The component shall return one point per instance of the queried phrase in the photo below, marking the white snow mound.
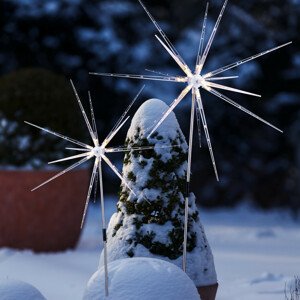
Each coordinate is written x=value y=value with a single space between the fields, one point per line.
x=141 y=279
x=18 y=290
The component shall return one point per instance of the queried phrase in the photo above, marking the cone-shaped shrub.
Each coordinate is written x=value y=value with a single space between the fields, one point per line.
x=151 y=222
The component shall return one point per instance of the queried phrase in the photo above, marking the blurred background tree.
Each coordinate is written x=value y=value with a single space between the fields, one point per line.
x=41 y=97
x=73 y=37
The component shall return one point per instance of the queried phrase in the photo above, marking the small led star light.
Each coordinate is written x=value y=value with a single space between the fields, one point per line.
x=194 y=81
x=98 y=153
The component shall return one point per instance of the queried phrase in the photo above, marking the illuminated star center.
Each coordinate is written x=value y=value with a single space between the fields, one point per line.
x=98 y=151
x=196 y=81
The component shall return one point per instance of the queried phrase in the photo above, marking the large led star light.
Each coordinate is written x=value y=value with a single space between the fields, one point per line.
x=194 y=81
x=98 y=151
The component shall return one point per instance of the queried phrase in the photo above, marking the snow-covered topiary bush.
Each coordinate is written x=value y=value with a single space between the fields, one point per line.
x=141 y=279
x=151 y=223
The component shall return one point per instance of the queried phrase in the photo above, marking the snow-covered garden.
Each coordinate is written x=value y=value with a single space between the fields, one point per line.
x=153 y=241
x=256 y=255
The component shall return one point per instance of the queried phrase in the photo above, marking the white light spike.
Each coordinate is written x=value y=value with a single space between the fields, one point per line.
x=200 y=49
x=227 y=88
x=109 y=138
x=203 y=118
x=69 y=158
x=191 y=135
x=116 y=171
x=83 y=113
x=182 y=65
x=243 y=61
x=77 y=149
x=172 y=106
x=157 y=72
x=60 y=136
x=221 y=78
x=211 y=38
x=93 y=117
x=228 y=100
x=161 y=32
x=198 y=118
x=127 y=110
x=143 y=77
x=128 y=149
x=95 y=185
x=95 y=169
x=64 y=171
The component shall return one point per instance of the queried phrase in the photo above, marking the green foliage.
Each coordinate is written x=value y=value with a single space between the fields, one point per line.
x=43 y=98
x=167 y=209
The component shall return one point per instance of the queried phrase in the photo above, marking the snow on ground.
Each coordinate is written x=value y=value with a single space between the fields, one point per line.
x=18 y=290
x=255 y=253
x=141 y=278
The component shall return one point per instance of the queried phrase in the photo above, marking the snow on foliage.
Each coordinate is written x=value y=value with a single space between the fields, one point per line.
x=18 y=290
x=151 y=223
x=142 y=278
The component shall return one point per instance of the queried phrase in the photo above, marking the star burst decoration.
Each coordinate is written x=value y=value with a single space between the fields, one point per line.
x=195 y=80
x=98 y=151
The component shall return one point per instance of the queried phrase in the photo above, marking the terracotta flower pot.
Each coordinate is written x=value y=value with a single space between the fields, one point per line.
x=47 y=219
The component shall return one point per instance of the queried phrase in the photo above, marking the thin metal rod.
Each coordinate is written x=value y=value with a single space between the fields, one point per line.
x=188 y=179
x=104 y=235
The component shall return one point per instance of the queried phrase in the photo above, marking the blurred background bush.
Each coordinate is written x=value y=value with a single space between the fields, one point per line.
x=41 y=97
x=73 y=37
